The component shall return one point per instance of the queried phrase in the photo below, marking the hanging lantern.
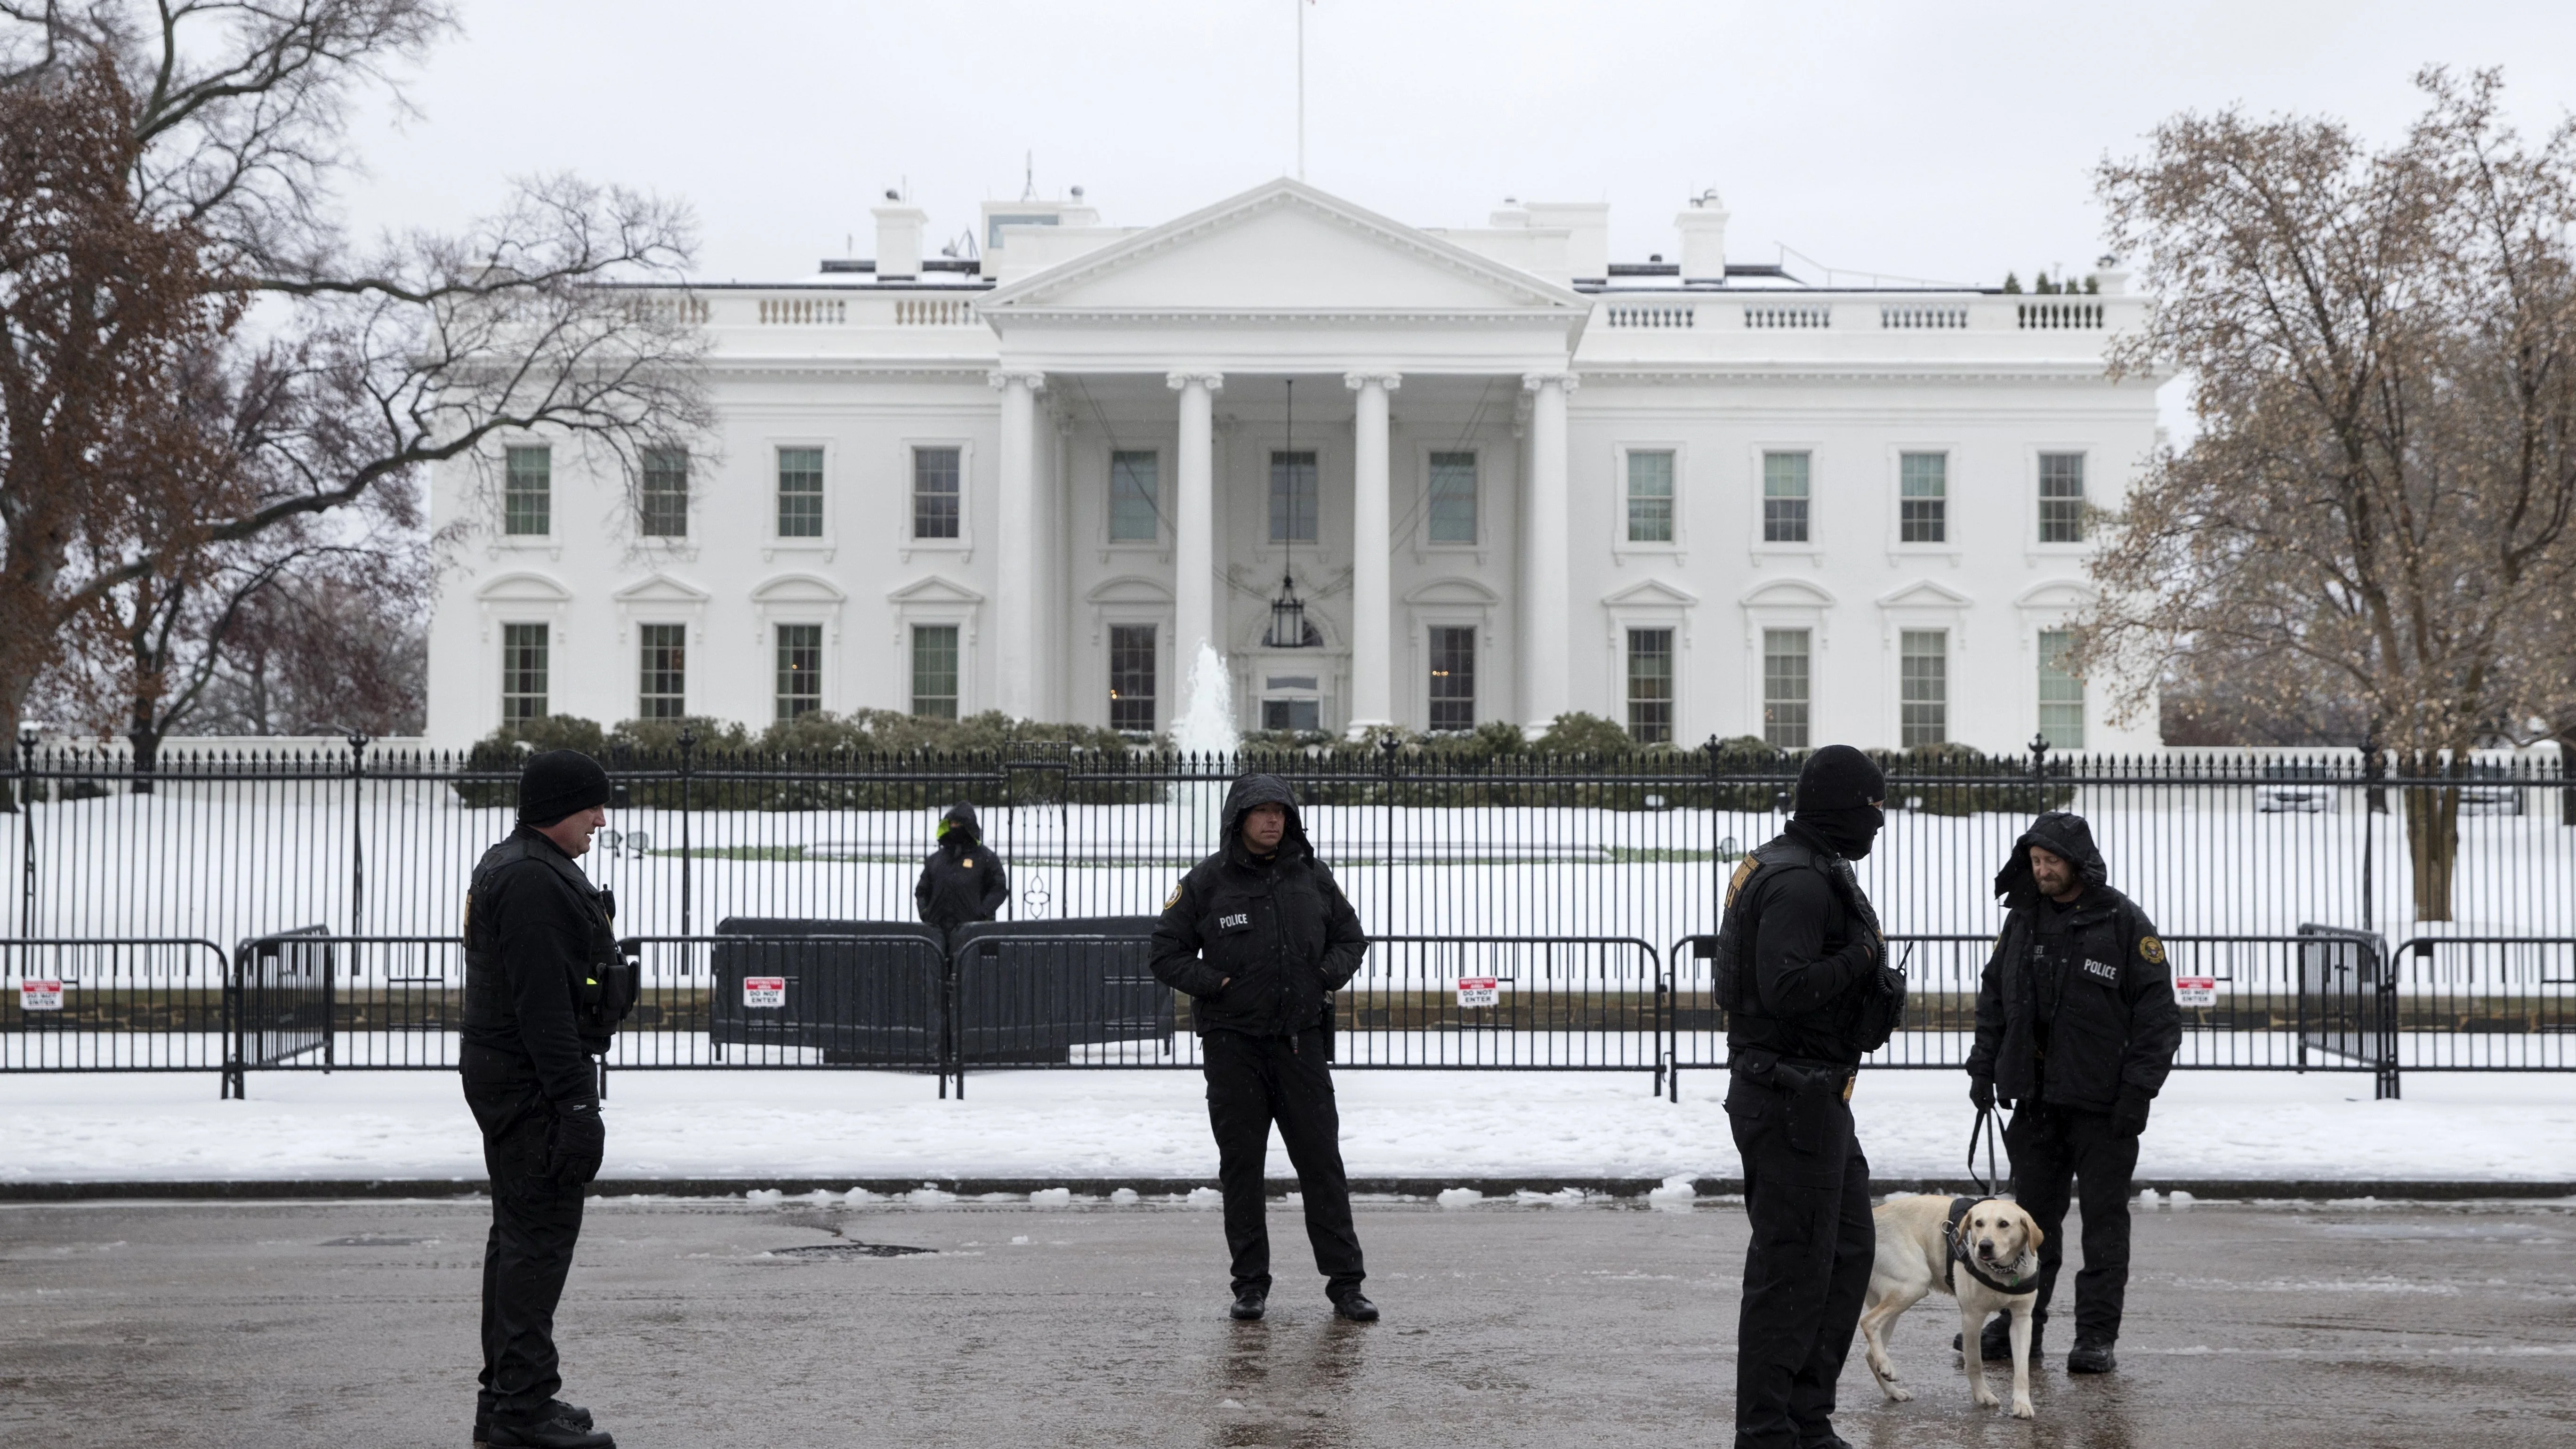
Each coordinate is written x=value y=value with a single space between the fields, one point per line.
x=1288 y=626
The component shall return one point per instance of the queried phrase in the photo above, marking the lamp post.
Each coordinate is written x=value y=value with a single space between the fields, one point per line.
x=27 y=827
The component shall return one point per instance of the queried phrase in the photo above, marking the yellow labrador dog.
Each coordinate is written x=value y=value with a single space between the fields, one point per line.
x=1983 y=1252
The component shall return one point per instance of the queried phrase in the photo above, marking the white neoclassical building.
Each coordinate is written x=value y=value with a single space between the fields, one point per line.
x=1504 y=476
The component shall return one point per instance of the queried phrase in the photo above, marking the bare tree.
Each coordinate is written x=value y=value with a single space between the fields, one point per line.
x=221 y=124
x=2383 y=485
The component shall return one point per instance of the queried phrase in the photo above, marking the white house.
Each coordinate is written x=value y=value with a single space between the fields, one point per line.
x=1505 y=476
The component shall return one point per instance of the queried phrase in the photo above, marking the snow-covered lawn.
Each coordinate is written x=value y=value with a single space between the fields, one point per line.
x=1152 y=1124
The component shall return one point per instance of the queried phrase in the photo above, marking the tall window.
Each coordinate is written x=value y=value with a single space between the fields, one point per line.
x=1453 y=678
x=1131 y=677
x=1784 y=688
x=1650 y=686
x=935 y=496
x=1650 y=497
x=528 y=491
x=1923 y=664
x=934 y=671
x=2061 y=694
x=663 y=692
x=663 y=509
x=800 y=493
x=1784 y=498
x=2061 y=498
x=1303 y=715
x=800 y=669
x=1453 y=498
x=1292 y=497
x=523 y=673
x=1923 y=502
x=1135 y=497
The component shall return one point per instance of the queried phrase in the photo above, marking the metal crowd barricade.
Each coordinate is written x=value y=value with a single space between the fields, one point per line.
x=118 y=1004
x=2483 y=1004
x=2307 y=1002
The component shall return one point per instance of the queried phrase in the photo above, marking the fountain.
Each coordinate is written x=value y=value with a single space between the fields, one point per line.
x=1205 y=729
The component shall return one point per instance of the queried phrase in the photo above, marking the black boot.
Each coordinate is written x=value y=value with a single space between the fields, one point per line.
x=2091 y=1356
x=557 y=1407
x=1249 y=1304
x=1356 y=1307
x=556 y=1426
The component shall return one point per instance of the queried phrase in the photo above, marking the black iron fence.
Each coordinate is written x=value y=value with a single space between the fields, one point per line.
x=345 y=871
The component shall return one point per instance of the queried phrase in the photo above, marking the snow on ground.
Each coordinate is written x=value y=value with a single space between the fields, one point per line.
x=1152 y=1124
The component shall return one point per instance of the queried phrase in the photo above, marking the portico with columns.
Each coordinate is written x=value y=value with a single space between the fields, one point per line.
x=1283 y=323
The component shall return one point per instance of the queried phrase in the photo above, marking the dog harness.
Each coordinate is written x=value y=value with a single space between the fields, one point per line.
x=1960 y=1255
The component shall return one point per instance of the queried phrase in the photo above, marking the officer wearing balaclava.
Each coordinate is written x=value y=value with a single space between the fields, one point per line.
x=1802 y=973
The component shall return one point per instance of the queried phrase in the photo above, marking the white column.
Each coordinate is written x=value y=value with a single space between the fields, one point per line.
x=1372 y=578
x=1194 y=523
x=1546 y=591
x=1015 y=594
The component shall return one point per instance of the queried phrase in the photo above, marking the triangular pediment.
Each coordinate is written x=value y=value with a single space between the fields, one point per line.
x=1925 y=594
x=661 y=589
x=1283 y=248
x=933 y=590
x=1651 y=594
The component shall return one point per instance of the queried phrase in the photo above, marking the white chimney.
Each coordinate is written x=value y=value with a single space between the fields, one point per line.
x=2114 y=277
x=899 y=240
x=1587 y=226
x=1703 y=230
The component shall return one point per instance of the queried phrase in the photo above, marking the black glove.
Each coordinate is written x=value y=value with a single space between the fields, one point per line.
x=1981 y=1090
x=577 y=1143
x=2129 y=1115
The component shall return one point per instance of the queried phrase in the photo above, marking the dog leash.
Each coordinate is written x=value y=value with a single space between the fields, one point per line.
x=1985 y=1123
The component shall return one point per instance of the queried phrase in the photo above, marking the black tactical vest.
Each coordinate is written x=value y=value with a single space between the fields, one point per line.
x=1862 y=1018
x=605 y=991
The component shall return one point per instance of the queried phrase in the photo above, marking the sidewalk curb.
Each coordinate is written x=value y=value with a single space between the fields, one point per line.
x=254 y=1190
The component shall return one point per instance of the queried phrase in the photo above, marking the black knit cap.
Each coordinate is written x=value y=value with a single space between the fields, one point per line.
x=1839 y=777
x=558 y=783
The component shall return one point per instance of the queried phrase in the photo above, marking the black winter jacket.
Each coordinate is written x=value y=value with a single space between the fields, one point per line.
x=2116 y=1028
x=961 y=881
x=1809 y=951
x=1280 y=928
x=534 y=929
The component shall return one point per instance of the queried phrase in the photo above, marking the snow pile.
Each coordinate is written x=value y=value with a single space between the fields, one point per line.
x=1459 y=1197
x=1052 y=1197
x=1135 y=1126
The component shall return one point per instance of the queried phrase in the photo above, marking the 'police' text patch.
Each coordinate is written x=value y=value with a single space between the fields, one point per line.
x=2103 y=969
x=1233 y=923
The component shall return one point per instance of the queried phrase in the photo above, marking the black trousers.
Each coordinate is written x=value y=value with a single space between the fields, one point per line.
x=535 y=1223
x=1806 y=1270
x=1253 y=1082
x=2051 y=1146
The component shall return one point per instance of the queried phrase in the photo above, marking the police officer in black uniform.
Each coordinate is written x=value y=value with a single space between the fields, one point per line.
x=2076 y=1029
x=962 y=880
x=1801 y=969
x=1259 y=937
x=544 y=988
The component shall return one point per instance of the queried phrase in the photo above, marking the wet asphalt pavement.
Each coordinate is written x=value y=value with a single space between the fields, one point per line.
x=352 y=1323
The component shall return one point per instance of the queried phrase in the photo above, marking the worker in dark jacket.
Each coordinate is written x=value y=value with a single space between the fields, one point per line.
x=1259 y=937
x=2076 y=1029
x=538 y=941
x=1802 y=973
x=961 y=881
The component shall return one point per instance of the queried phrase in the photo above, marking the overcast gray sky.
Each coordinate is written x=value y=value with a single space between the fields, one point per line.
x=1947 y=141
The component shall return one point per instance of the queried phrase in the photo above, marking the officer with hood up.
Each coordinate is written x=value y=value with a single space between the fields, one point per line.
x=961 y=881
x=1259 y=937
x=1801 y=971
x=2076 y=1029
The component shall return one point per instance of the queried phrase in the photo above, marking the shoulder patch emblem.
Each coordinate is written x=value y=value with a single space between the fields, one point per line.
x=2152 y=949
x=1174 y=898
x=1744 y=870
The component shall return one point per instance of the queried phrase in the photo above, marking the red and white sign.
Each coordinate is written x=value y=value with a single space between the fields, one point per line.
x=1479 y=991
x=764 y=991
x=2195 y=991
x=40 y=996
